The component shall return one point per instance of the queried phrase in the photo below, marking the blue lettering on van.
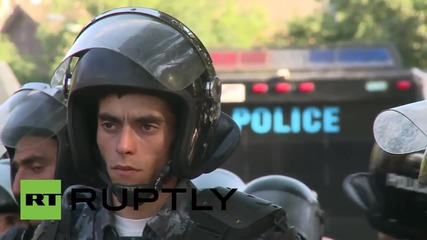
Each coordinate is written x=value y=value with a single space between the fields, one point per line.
x=311 y=120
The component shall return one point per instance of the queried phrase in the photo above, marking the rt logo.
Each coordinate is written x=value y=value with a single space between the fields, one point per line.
x=40 y=200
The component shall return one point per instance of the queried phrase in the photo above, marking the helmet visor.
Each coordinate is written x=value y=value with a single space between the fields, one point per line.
x=402 y=129
x=160 y=48
x=219 y=177
x=31 y=112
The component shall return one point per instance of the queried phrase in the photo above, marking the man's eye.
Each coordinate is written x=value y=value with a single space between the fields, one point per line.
x=148 y=127
x=37 y=169
x=108 y=125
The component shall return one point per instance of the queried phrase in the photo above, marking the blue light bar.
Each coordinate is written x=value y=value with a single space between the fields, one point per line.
x=351 y=57
x=329 y=58
x=321 y=56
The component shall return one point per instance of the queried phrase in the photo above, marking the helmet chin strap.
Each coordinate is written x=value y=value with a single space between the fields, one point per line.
x=118 y=189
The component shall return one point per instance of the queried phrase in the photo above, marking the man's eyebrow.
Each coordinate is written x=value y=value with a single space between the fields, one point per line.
x=29 y=160
x=108 y=117
x=148 y=119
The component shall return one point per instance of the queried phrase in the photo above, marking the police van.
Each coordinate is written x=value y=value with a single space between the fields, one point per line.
x=308 y=113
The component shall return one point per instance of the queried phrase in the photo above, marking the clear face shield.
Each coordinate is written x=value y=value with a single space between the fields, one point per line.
x=158 y=43
x=31 y=116
x=402 y=129
x=219 y=177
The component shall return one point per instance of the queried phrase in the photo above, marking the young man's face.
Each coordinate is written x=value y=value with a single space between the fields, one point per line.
x=134 y=136
x=35 y=158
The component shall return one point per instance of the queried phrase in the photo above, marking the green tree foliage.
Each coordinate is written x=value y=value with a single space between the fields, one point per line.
x=219 y=24
x=54 y=36
x=58 y=33
x=23 y=68
x=402 y=23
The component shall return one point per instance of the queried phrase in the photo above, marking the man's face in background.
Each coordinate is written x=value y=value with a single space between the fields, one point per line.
x=35 y=158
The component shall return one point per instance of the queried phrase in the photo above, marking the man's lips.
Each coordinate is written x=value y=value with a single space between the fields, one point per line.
x=124 y=168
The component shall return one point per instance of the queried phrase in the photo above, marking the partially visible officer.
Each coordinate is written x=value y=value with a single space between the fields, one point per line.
x=144 y=112
x=9 y=210
x=219 y=177
x=300 y=203
x=33 y=130
x=394 y=202
x=403 y=129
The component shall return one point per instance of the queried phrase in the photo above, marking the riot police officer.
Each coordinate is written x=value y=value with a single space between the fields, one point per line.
x=33 y=130
x=144 y=113
x=394 y=202
x=301 y=205
x=219 y=177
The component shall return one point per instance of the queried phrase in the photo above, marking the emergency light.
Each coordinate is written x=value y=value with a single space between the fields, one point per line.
x=292 y=72
x=306 y=58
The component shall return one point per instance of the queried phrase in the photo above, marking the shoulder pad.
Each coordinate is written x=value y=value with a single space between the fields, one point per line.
x=245 y=216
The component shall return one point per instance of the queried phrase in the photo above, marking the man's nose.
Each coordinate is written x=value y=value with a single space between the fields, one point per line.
x=126 y=143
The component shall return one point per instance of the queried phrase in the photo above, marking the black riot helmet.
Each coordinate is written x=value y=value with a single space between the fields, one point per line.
x=8 y=202
x=390 y=194
x=37 y=109
x=300 y=203
x=145 y=51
